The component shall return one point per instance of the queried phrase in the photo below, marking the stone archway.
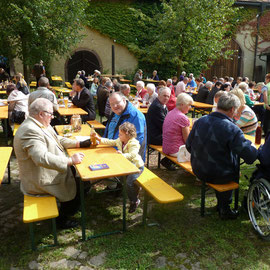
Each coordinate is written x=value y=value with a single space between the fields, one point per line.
x=82 y=59
x=227 y=67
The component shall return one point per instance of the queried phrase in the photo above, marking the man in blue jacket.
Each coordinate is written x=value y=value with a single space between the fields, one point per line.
x=216 y=145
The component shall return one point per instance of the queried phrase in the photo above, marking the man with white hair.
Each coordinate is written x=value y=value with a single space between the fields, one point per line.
x=141 y=91
x=155 y=117
x=204 y=92
x=44 y=167
x=216 y=145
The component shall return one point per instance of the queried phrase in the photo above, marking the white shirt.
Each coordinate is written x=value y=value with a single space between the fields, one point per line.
x=180 y=88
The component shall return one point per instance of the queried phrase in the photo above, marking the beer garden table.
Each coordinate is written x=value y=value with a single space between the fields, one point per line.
x=5 y=153
x=118 y=165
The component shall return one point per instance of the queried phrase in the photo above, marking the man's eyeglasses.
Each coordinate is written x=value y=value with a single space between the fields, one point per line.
x=51 y=114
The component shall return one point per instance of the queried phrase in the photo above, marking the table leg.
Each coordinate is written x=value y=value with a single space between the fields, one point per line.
x=124 y=203
x=5 y=124
x=82 y=209
x=9 y=172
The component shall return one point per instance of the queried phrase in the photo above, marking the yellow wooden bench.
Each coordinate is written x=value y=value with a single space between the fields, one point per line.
x=158 y=189
x=38 y=209
x=187 y=166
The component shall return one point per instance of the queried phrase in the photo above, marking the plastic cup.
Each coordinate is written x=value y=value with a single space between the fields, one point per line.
x=66 y=102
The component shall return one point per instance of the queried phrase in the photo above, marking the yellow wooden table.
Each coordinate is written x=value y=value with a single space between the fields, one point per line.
x=252 y=139
x=5 y=153
x=4 y=118
x=118 y=166
x=200 y=105
x=61 y=89
x=56 y=78
x=71 y=110
x=143 y=110
x=85 y=131
x=96 y=124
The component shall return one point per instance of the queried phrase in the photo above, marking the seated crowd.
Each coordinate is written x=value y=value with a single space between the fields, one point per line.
x=216 y=141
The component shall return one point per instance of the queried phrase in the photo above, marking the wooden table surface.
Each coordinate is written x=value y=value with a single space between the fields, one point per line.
x=202 y=105
x=4 y=112
x=96 y=124
x=118 y=164
x=252 y=139
x=71 y=110
x=5 y=153
x=61 y=89
x=85 y=131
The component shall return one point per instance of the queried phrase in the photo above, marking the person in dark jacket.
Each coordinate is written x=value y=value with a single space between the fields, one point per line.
x=216 y=145
x=154 y=118
x=204 y=92
x=156 y=115
x=83 y=99
x=214 y=90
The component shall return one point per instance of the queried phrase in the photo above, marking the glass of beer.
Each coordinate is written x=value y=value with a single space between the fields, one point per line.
x=66 y=102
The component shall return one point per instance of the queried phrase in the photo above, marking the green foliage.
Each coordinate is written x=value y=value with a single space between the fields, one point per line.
x=40 y=29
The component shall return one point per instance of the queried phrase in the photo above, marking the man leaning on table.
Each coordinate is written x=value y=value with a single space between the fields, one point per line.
x=82 y=98
x=44 y=167
x=216 y=145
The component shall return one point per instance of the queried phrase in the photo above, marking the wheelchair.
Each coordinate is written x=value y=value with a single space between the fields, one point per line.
x=258 y=204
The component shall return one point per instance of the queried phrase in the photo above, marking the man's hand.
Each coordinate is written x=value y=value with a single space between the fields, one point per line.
x=76 y=158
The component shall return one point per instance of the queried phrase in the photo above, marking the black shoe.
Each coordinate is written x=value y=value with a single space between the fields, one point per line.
x=228 y=214
x=66 y=223
x=133 y=206
x=169 y=165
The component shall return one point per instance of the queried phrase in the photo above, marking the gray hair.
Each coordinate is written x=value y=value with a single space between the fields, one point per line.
x=123 y=87
x=151 y=86
x=260 y=84
x=184 y=73
x=140 y=83
x=108 y=84
x=39 y=105
x=80 y=82
x=228 y=101
x=43 y=82
x=162 y=89
x=119 y=94
x=208 y=84
x=184 y=98
x=240 y=94
x=243 y=86
x=231 y=79
x=169 y=80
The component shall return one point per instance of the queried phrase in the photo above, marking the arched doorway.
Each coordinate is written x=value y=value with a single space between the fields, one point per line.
x=82 y=60
x=227 y=67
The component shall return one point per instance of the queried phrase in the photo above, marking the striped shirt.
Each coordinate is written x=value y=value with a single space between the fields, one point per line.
x=248 y=121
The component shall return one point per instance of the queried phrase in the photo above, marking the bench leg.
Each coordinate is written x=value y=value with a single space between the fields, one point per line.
x=145 y=204
x=54 y=232
x=236 y=198
x=32 y=237
x=148 y=153
x=203 y=198
x=9 y=172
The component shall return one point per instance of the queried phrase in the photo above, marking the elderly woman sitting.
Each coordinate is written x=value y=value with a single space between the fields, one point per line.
x=151 y=95
x=17 y=104
x=245 y=118
x=176 y=125
x=244 y=87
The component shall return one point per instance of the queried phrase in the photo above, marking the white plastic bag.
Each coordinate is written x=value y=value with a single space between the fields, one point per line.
x=183 y=154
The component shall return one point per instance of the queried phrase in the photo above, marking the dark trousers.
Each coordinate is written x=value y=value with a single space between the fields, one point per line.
x=266 y=122
x=70 y=208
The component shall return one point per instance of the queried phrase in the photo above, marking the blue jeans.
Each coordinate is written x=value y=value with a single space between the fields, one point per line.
x=132 y=189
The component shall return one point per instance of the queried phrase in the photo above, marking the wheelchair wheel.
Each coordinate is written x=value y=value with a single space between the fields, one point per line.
x=258 y=201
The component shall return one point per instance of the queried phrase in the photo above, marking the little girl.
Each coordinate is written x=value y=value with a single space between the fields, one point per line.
x=129 y=147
